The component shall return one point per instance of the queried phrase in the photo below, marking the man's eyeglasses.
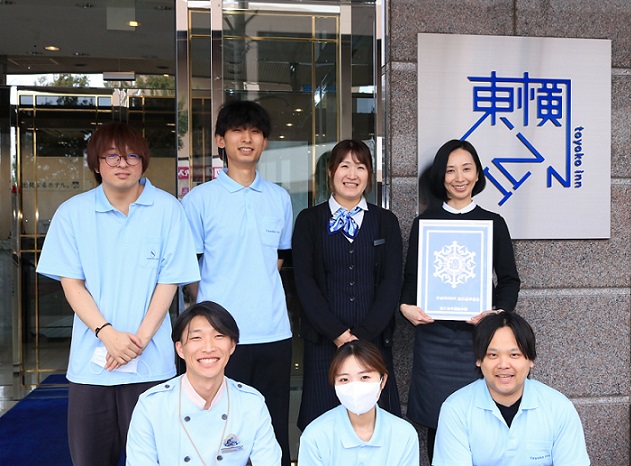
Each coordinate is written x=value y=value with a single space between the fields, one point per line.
x=113 y=160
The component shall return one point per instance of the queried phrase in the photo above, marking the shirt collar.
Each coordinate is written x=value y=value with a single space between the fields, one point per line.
x=334 y=205
x=349 y=438
x=196 y=399
x=485 y=401
x=464 y=210
x=146 y=197
x=232 y=186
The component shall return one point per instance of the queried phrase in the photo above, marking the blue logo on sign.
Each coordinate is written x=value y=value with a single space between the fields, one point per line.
x=499 y=98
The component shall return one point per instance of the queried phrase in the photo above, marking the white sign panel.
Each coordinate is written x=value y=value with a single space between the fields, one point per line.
x=538 y=111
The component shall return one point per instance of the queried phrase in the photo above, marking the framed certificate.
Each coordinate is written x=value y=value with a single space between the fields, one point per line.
x=455 y=268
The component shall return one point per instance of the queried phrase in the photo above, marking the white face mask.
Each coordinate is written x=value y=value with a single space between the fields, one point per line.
x=358 y=397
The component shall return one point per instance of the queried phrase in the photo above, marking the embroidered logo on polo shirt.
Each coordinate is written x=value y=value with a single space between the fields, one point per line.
x=231 y=444
x=149 y=253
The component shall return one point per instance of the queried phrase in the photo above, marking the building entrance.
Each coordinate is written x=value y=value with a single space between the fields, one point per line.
x=315 y=66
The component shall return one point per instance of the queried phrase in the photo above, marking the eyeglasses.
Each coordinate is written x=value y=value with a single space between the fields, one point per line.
x=113 y=160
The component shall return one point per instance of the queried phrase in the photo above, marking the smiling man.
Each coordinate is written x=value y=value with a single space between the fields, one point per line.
x=242 y=226
x=120 y=251
x=507 y=419
x=203 y=417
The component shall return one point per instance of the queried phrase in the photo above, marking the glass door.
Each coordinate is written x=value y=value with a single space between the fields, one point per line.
x=313 y=66
x=51 y=133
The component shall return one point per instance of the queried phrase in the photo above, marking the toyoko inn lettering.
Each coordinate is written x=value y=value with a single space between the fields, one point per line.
x=578 y=156
x=541 y=125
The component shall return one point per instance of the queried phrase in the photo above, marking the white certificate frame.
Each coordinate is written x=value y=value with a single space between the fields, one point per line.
x=455 y=268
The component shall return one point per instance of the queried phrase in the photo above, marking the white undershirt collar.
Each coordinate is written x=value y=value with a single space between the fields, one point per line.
x=464 y=210
x=195 y=397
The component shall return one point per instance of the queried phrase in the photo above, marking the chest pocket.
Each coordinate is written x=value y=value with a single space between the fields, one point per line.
x=539 y=454
x=271 y=229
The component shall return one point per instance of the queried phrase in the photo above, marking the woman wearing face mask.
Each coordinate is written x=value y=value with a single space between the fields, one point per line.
x=443 y=350
x=347 y=258
x=358 y=431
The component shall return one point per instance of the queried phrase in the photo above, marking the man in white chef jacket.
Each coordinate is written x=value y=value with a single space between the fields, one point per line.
x=203 y=417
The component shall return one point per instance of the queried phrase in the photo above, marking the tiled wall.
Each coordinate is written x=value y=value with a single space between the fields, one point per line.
x=576 y=294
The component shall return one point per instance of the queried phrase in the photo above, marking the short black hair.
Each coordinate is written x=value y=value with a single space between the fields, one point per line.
x=214 y=313
x=439 y=168
x=243 y=114
x=485 y=330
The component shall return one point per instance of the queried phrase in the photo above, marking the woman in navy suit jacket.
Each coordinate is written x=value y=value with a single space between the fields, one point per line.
x=347 y=257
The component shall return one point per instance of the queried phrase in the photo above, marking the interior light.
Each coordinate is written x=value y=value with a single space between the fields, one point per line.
x=133 y=23
x=51 y=48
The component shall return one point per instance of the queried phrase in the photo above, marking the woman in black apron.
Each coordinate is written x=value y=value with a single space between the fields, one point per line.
x=443 y=353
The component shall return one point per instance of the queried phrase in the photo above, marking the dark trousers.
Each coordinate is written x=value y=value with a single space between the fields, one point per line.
x=98 y=420
x=267 y=367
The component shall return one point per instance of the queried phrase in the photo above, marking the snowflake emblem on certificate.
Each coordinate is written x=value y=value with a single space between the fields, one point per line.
x=454 y=264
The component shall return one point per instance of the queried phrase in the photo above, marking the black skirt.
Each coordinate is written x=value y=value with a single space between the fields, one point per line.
x=443 y=363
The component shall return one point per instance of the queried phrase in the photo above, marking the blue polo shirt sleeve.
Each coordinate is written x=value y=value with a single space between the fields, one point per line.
x=569 y=447
x=60 y=254
x=195 y=215
x=452 y=439
x=285 y=237
x=179 y=265
x=410 y=451
x=309 y=452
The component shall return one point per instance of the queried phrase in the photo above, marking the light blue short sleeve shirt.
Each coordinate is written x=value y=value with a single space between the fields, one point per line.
x=546 y=430
x=239 y=231
x=330 y=440
x=121 y=259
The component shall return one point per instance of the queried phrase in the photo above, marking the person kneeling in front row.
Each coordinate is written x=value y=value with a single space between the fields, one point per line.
x=358 y=431
x=203 y=417
x=507 y=419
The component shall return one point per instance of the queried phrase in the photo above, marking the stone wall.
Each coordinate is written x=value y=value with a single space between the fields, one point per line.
x=576 y=293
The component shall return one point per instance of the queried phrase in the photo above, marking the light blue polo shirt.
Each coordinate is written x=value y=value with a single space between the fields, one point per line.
x=239 y=231
x=331 y=440
x=546 y=430
x=121 y=259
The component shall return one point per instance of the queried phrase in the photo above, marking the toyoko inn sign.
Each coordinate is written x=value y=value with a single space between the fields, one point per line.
x=538 y=111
